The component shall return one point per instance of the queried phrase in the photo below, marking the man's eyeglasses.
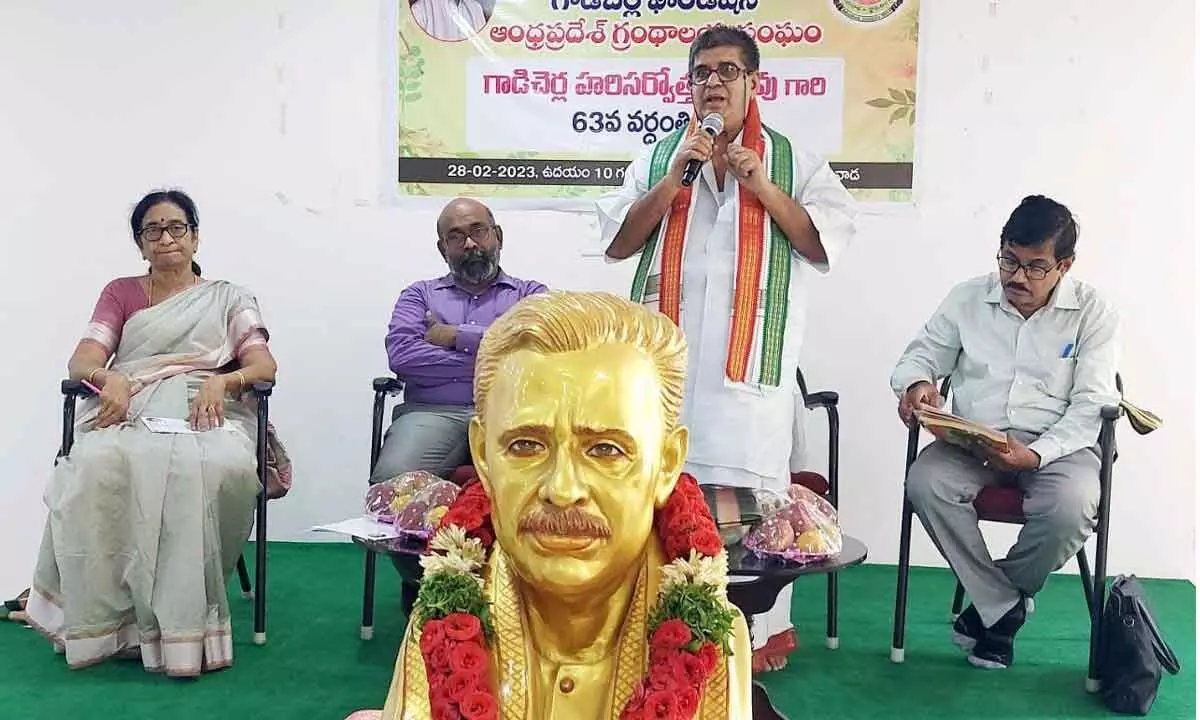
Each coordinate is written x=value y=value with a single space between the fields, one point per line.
x=152 y=233
x=476 y=233
x=726 y=72
x=1033 y=272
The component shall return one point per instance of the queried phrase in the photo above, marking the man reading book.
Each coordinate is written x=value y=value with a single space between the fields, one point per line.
x=1030 y=352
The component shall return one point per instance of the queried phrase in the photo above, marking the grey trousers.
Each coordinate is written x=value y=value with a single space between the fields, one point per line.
x=1060 y=509
x=432 y=438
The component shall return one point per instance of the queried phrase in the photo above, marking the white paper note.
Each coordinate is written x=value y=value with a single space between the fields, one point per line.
x=360 y=527
x=174 y=426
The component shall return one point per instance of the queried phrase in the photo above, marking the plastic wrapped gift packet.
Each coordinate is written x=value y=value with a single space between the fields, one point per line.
x=385 y=500
x=737 y=509
x=421 y=514
x=804 y=529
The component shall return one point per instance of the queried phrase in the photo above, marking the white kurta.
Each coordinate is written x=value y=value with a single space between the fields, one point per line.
x=449 y=19
x=741 y=434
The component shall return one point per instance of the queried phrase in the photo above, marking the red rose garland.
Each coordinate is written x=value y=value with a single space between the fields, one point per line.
x=472 y=511
x=681 y=660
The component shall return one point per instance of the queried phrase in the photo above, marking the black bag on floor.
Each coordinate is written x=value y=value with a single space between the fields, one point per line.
x=1132 y=652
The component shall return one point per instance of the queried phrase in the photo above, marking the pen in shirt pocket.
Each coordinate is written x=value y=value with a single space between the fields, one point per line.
x=1066 y=353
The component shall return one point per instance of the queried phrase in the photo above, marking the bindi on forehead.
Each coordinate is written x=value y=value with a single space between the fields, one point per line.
x=165 y=212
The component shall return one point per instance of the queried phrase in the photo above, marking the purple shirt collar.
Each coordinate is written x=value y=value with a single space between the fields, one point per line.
x=502 y=278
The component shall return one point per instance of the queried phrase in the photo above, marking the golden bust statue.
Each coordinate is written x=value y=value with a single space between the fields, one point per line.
x=583 y=576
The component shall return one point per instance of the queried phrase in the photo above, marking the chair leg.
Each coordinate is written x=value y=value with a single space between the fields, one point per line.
x=831 y=612
x=260 y=525
x=957 y=606
x=1100 y=579
x=367 y=631
x=1085 y=575
x=244 y=577
x=260 y=589
x=906 y=516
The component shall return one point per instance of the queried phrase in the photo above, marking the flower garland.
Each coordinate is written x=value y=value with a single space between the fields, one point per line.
x=689 y=627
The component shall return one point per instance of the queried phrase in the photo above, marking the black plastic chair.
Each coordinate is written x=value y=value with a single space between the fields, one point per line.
x=827 y=487
x=72 y=390
x=998 y=505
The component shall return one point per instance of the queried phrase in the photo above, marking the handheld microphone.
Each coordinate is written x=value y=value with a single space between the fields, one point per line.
x=712 y=124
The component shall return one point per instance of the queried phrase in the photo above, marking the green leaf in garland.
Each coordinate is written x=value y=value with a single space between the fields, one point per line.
x=912 y=96
x=899 y=113
x=880 y=103
x=912 y=117
x=444 y=593
x=896 y=95
x=710 y=619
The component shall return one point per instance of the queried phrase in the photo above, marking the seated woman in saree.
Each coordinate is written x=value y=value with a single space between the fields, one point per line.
x=144 y=527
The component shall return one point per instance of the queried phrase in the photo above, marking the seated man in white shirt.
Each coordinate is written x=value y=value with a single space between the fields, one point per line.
x=449 y=19
x=1032 y=352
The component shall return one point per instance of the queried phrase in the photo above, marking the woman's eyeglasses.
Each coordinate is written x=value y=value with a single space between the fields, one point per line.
x=153 y=233
x=726 y=72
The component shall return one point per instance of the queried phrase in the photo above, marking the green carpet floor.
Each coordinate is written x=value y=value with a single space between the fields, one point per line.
x=316 y=667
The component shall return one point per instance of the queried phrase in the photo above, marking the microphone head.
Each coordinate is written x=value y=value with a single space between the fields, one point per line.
x=713 y=124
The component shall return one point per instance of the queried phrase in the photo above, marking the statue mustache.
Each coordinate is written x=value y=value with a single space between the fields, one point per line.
x=565 y=523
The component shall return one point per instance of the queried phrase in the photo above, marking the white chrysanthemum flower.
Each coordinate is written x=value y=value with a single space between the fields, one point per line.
x=712 y=570
x=675 y=573
x=462 y=551
x=451 y=563
x=697 y=569
x=447 y=539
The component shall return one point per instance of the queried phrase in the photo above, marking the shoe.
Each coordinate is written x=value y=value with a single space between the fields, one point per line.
x=968 y=628
x=994 y=649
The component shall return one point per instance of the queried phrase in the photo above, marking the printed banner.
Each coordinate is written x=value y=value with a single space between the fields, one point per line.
x=551 y=99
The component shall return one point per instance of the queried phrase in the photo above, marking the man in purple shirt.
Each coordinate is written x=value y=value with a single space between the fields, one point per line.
x=431 y=343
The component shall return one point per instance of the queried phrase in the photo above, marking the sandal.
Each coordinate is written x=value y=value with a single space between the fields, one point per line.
x=778 y=647
x=15 y=609
x=18 y=603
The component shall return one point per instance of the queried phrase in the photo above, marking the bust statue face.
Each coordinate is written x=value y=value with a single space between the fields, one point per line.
x=576 y=462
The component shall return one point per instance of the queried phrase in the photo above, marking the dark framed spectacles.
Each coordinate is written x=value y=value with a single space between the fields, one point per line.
x=153 y=233
x=1033 y=272
x=725 y=72
x=476 y=233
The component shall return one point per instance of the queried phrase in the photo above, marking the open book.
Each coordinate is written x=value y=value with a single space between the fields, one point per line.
x=960 y=431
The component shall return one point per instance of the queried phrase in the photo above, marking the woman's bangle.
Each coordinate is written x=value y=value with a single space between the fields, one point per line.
x=92 y=375
x=241 y=380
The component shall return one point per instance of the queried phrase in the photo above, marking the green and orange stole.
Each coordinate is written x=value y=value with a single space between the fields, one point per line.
x=763 y=271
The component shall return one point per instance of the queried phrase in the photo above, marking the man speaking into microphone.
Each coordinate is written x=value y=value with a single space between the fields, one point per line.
x=727 y=217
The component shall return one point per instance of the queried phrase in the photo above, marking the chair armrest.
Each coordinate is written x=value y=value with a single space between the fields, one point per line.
x=75 y=388
x=387 y=385
x=262 y=389
x=825 y=398
x=1111 y=412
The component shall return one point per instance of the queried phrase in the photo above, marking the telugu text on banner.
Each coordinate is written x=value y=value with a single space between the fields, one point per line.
x=551 y=99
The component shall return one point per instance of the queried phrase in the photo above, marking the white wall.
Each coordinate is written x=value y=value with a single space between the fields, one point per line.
x=268 y=113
